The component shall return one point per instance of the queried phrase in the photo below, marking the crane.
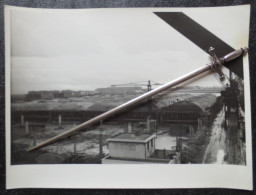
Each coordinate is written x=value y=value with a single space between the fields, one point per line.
x=148 y=84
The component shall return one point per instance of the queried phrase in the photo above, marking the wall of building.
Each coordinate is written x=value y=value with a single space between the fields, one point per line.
x=130 y=150
x=150 y=148
x=127 y=150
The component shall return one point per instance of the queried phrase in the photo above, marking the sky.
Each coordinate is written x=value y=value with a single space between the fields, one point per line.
x=89 y=49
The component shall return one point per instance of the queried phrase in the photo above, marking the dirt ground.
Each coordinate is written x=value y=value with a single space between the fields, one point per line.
x=85 y=144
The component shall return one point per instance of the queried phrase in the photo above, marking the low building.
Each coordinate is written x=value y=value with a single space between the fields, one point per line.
x=43 y=95
x=33 y=95
x=130 y=148
x=119 y=90
x=67 y=93
x=46 y=95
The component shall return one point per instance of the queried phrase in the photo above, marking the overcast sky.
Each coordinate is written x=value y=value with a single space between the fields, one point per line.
x=88 y=49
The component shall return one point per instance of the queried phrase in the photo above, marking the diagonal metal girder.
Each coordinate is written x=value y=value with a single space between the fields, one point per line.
x=201 y=37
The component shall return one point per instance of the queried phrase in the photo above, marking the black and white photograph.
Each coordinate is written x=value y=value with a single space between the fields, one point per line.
x=71 y=70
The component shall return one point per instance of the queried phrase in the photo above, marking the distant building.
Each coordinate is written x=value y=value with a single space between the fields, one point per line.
x=46 y=95
x=90 y=93
x=132 y=149
x=33 y=95
x=56 y=94
x=119 y=90
x=84 y=93
x=67 y=93
x=43 y=95
x=18 y=98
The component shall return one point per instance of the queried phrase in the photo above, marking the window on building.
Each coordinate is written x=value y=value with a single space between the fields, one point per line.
x=152 y=143
x=148 y=145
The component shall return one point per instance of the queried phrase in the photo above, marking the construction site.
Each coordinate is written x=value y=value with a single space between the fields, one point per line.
x=180 y=126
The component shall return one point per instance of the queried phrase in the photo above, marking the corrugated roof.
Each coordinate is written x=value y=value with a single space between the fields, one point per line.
x=106 y=103
x=47 y=105
x=204 y=101
x=183 y=107
x=195 y=104
x=99 y=107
